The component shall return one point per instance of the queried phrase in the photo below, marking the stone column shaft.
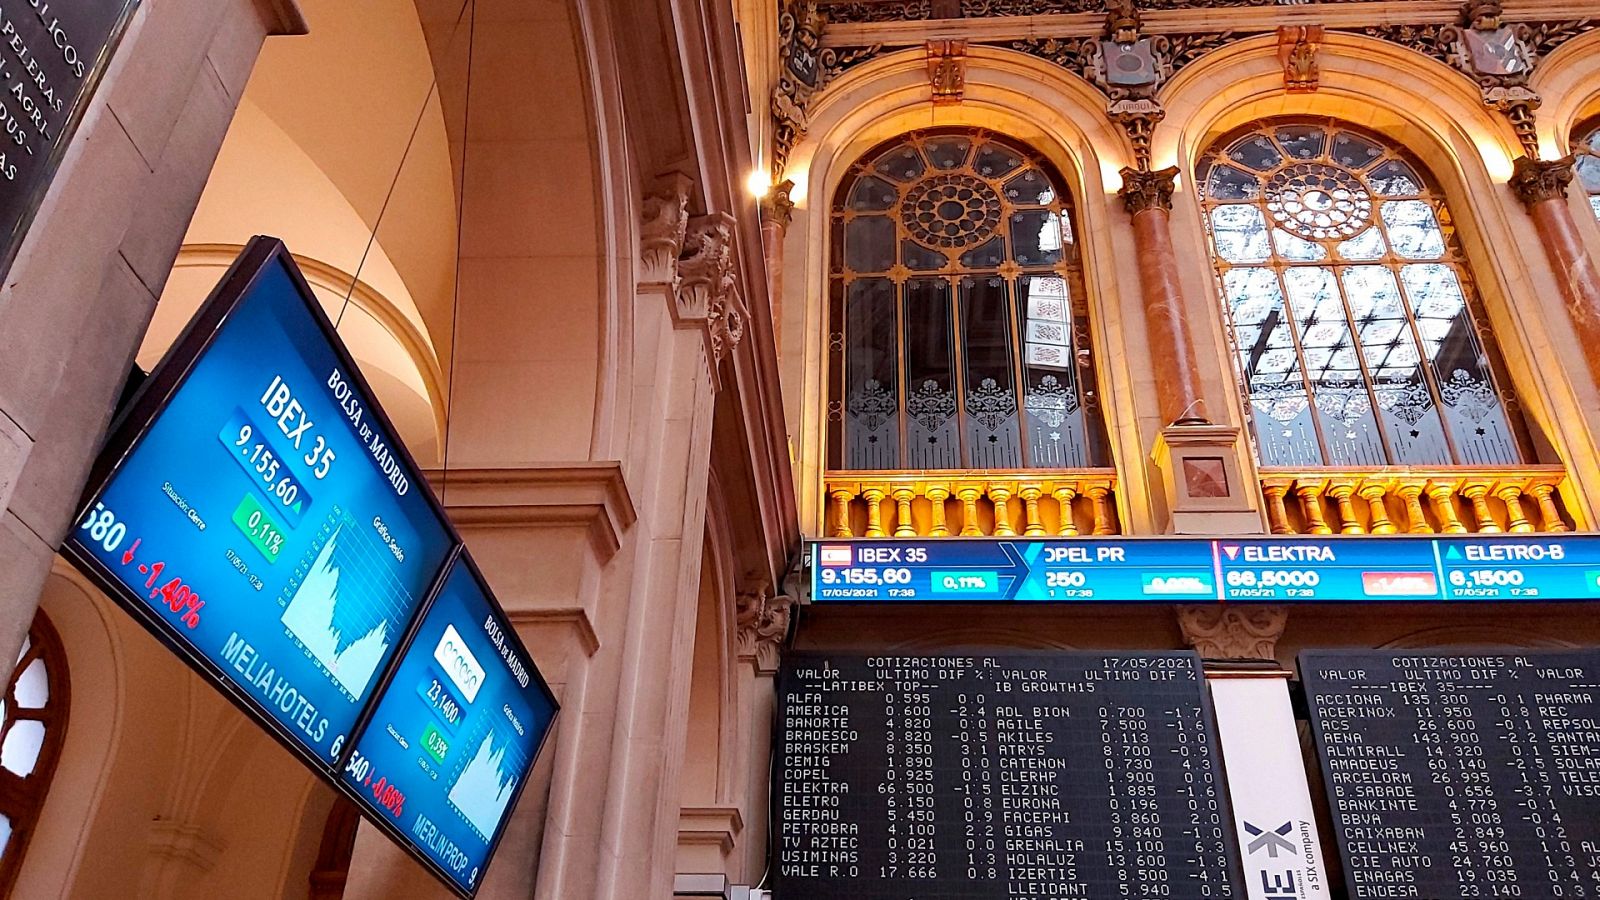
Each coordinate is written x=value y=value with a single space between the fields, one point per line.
x=1148 y=198
x=1542 y=188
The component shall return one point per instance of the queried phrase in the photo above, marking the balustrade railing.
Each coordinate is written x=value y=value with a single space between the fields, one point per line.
x=971 y=503
x=1416 y=501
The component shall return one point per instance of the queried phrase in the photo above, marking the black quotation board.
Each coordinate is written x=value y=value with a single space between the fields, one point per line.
x=1472 y=774
x=984 y=777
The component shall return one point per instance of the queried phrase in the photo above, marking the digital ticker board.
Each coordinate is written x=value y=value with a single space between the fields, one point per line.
x=255 y=510
x=449 y=745
x=1520 y=568
x=999 y=777
x=1468 y=774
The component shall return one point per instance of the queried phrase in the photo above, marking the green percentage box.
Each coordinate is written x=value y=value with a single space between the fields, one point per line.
x=434 y=741
x=264 y=532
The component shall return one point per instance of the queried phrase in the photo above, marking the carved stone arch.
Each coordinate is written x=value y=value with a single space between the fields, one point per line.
x=1438 y=116
x=1441 y=636
x=1009 y=93
x=86 y=624
x=1569 y=82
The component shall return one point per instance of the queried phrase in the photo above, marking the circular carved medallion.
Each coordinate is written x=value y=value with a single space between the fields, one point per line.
x=951 y=211
x=1318 y=202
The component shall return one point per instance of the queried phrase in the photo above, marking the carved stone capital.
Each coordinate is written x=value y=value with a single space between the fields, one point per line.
x=661 y=233
x=705 y=265
x=777 y=207
x=725 y=323
x=762 y=619
x=1144 y=191
x=1233 y=632
x=1536 y=181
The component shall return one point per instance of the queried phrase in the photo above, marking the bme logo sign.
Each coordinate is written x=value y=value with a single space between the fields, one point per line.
x=1277 y=881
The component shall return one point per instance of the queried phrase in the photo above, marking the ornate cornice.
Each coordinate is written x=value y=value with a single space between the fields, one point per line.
x=1145 y=191
x=590 y=495
x=1535 y=181
x=1233 y=632
x=763 y=623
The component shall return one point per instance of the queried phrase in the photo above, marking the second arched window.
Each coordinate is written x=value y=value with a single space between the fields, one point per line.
x=958 y=335
x=1350 y=304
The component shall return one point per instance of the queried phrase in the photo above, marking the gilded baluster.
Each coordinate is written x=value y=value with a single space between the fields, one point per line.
x=903 y=526
x=1099 y=495
x=969 y=494
x=1443 y=496
x=1000 y=496
x=1374 y=493
x=1277 y=514
x=841 y=506
x=1310 y=493
x=1477 y=494
x=1510 y=493
x=874 y=497
x=1034 y=526
x=1549 y=515
x=937 y=494
x=1064 y=494
x=1416 y=519
x=1343 y=493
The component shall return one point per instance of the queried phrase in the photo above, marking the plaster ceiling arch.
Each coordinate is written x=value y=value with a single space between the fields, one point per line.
x=357 y=97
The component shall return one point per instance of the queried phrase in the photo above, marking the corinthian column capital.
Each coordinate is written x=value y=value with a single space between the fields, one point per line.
x=1536 y=181
x=1144 y=191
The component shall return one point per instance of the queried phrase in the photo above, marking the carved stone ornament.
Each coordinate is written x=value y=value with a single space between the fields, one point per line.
x=763 y=622
x=725 y=322
x=777 y=207
x=1233 y=632
x=1145 y=191
x=1123 y=23
x=805 y=68
x=947 y=71
x=661 y=233
x=705 y=265
x=1298 y=47
x=1536 y=181
x=1138 y=119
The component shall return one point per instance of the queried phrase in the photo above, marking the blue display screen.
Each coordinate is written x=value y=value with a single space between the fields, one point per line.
x=265 y=520
x=1495 y=567
x=454 y=734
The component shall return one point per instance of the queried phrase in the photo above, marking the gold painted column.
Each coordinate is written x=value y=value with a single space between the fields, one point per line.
x=777 y=210
x=1541 y=185
x=1148 y=199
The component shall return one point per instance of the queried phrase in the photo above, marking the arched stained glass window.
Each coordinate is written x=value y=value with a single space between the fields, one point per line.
x=1587 y=147
x=1350 y=304
x=33 y=724
x=958 y=336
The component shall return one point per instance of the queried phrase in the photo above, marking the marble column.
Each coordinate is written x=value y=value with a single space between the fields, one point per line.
x=1148 y=199
x=1541 y=185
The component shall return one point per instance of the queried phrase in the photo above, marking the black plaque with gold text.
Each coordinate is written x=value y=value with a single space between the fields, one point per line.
x=52 y=53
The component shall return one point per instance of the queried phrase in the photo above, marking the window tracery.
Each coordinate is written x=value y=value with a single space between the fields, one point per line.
x=958 y=335
x=1587 y=148
x=33 y=722
x=1350 y=305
